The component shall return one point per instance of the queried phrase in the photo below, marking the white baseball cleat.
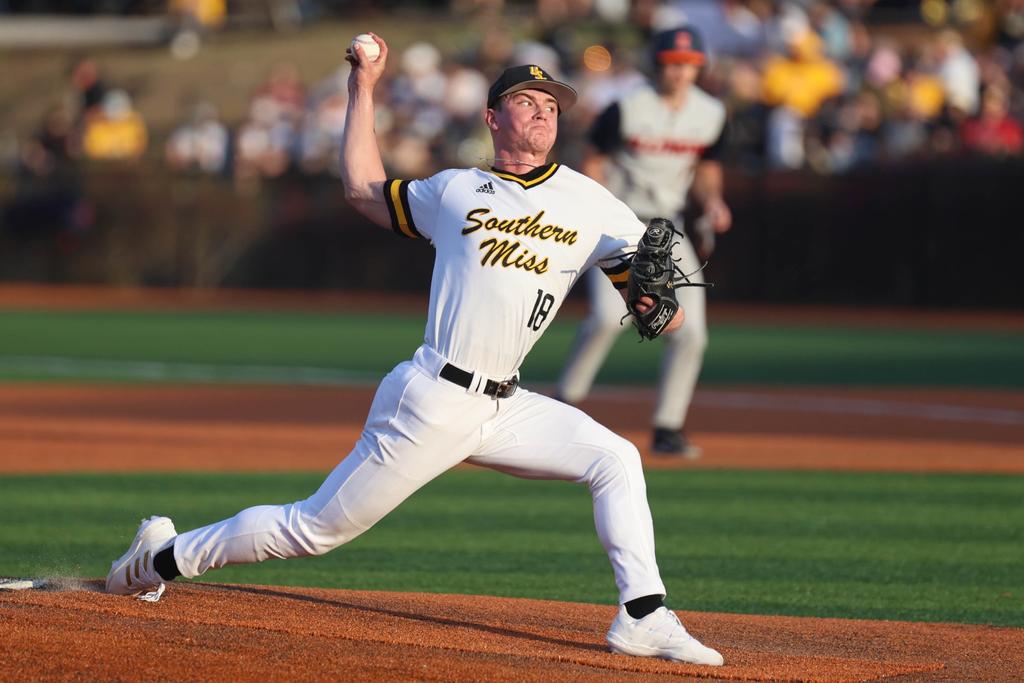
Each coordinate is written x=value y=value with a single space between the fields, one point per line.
x=659 y=634
x=133 y=573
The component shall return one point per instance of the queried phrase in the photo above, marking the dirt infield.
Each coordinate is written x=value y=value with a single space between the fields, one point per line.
x=220 y=632
x=46 y=428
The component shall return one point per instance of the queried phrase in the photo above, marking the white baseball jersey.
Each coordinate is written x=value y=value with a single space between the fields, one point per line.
x=508 y=249
x=656 y=148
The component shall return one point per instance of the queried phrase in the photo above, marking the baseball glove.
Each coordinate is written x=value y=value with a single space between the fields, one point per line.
x=652 y=274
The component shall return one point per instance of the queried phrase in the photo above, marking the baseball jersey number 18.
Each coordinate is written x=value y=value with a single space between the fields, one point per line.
x=541 y=308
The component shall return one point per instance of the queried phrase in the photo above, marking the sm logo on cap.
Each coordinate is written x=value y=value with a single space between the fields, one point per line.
x=537 y=73
x=683 y=41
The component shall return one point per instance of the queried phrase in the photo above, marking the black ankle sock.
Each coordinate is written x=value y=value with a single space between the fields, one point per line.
x=641 y=607
x=164 y=564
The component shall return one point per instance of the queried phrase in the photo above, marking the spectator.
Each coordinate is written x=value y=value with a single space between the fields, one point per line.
x=264 y=143
x=51 y=146
x=1010 y=24
x=804 y=78
x=284 y=93
x=87 y=88
x=993 y=131
x=416 y=93
x=917 y=106
x=857 y=140
x=855 y=65
x=796 y=85
x=466 y=95
x=269 y=140
x=199 y=14
x=884 y=67
x=958 y=71
x=324 y=123
x=116 y=131
x=748 y=118
x=834 y=29
x=923 y=92
x=201 y=144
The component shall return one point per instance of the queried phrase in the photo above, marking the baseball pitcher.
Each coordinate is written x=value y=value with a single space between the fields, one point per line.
x=509 y=243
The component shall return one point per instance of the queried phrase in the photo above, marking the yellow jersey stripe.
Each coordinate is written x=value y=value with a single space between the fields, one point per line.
x=397 y=201
x=528 y=183
x=619 y=280
x=401 y=220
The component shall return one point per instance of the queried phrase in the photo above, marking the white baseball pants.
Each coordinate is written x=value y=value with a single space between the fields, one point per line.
x=684 y=348
x=419 y=426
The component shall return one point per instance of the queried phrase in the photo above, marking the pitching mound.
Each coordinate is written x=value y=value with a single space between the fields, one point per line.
x=221 y=632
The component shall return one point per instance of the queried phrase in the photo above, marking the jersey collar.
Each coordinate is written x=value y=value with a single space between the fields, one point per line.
x=530 y=179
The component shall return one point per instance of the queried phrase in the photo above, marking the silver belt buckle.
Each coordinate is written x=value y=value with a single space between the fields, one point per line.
x=507 y=388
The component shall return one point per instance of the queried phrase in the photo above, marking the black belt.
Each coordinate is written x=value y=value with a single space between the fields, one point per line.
x=465 y=379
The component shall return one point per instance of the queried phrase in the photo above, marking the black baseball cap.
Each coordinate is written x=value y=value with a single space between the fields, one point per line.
x=531 y=77
x=681 y=45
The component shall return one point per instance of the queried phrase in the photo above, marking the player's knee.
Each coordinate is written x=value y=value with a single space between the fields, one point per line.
x=620 y=465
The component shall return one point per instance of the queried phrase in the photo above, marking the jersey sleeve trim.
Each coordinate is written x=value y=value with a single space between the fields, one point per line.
x=618 y=274
x=396 y=196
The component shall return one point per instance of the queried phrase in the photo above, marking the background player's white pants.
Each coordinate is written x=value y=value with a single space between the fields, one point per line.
x=684 y=348
x=420 y=426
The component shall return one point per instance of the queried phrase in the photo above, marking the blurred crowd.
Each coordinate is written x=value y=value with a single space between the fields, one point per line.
x=809 y=84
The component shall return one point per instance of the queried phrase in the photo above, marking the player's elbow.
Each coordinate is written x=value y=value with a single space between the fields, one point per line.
x=369 y=206
x=363 y=189
x=355 y=193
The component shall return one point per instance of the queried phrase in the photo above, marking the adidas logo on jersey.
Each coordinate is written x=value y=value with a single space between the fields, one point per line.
x=486 y=188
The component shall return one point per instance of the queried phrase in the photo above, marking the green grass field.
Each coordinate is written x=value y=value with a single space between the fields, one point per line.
x=918 y=547
x=316 y=347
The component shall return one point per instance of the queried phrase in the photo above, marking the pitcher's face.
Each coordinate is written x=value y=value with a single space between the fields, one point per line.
x=526 y=120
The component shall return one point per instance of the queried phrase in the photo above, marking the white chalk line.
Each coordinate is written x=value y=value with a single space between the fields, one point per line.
x=55 y=367
x=48 y=583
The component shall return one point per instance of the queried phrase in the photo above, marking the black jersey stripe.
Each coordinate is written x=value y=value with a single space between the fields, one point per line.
x=391 y=206
x=619 y=280
x=617 y=268
x=618 y=274
x=396 y=197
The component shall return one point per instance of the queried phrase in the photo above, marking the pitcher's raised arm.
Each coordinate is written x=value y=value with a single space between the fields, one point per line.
x=362 y=170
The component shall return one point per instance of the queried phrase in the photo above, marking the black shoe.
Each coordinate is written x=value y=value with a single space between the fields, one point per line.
x=674 y=442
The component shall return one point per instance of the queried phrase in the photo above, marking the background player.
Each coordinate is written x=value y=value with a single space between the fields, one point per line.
x=649 y=148
x=509 y=243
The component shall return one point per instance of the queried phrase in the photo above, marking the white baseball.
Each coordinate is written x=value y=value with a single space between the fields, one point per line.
x=370 y=48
